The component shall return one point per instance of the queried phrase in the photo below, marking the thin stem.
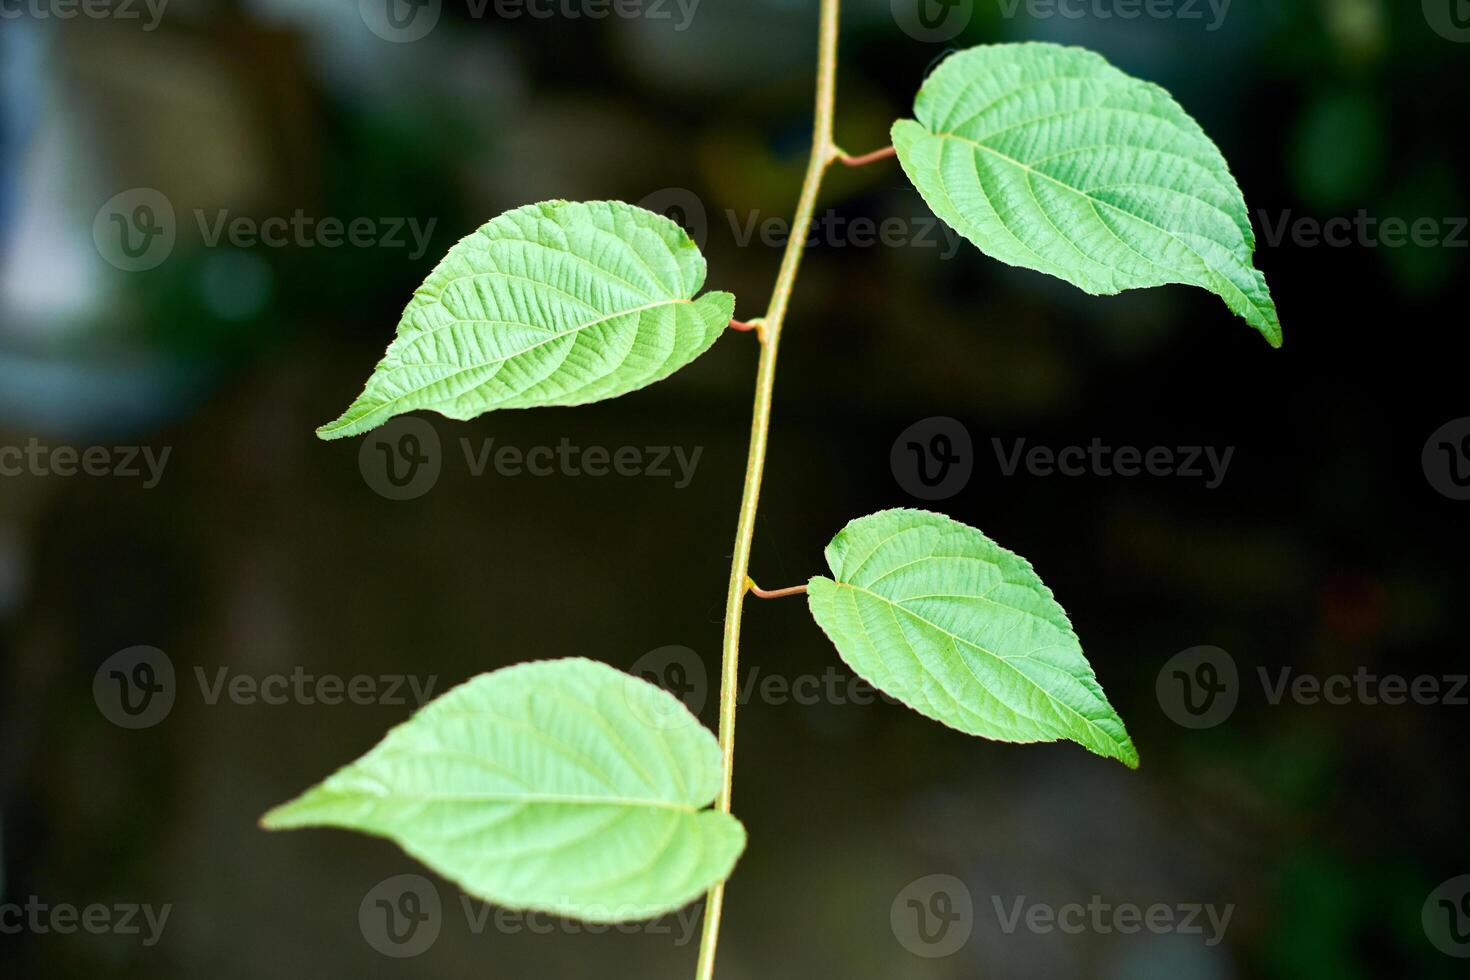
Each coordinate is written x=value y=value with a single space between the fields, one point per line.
x=770 y=336
x=848 y=160
x=761 y=593
x=744 y=325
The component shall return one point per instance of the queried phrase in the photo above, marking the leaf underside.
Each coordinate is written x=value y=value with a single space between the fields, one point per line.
x=1049 y=158
x=564 y=786
x=558 y=303
x=935 y=614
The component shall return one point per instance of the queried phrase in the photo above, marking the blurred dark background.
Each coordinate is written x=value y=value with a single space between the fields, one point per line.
x=1332 y=546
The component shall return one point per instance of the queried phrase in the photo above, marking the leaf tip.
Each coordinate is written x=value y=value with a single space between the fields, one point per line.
x=294 y=814
x=348 y=424
x=272 y=818
x=1120 y=746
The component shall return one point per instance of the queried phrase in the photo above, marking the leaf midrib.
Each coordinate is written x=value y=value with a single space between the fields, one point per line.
x=531 y=799
x=455 y=321
x=1110 y=206
x=1066 y=708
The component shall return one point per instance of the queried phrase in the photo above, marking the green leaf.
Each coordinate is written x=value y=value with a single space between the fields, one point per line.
x=564 y=786
x=935 y=614
x=559 y=303
x=1049 y=158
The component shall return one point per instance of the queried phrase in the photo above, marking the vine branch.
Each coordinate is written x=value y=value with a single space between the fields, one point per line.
x=822 y=153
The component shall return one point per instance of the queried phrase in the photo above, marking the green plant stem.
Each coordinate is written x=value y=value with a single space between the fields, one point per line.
x=761 y=593
x=824 y=151
x=848 y=160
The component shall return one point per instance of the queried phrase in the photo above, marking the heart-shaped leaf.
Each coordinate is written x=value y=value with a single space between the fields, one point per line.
x=935 y=614
x=559 y=303
x=564 y=786
x=1049 y=158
